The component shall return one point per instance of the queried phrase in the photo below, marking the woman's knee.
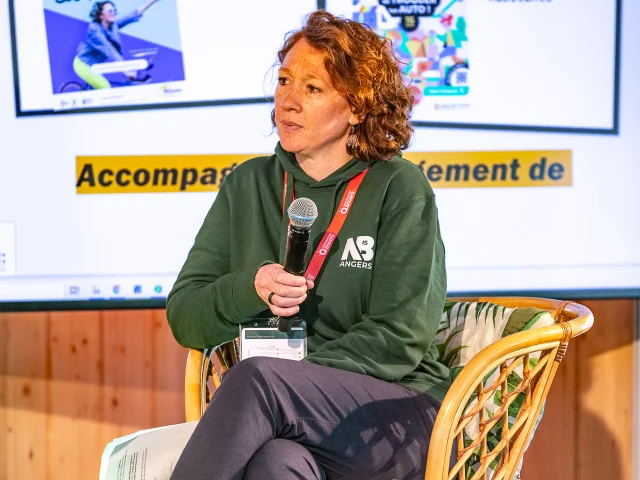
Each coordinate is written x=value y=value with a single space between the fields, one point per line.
x=251 y=379
x=284 y=460
x=256 y=369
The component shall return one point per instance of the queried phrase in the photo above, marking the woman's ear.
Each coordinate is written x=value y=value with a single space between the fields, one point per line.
x=356 y=119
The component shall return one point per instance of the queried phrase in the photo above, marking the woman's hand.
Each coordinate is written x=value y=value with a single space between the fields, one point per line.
x=143 y=8
x=289 y=291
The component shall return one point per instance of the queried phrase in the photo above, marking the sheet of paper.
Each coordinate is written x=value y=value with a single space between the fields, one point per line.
x=145 y=455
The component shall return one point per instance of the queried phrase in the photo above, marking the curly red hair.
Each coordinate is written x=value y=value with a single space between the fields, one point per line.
x=364 y=69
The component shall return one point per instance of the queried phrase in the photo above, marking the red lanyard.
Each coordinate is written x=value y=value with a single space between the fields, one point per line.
x=336 y=224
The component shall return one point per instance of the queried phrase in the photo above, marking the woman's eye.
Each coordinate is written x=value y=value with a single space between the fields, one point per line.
x=282 y=80
x=313 y=88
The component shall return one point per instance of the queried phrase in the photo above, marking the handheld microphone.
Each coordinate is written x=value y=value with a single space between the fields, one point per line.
x=302 y=213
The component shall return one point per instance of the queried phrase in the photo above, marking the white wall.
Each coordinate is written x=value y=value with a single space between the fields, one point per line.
x=582 y=236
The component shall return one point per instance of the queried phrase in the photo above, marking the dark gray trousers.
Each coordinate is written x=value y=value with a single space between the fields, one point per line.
x=285 y=419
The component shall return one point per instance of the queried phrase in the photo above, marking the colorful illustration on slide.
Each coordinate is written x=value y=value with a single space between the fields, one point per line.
x=429 y=37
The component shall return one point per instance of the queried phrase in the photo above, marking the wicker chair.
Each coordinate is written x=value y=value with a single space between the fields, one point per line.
x=205 y=369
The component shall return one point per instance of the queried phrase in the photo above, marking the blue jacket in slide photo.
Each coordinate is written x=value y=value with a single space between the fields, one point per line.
x=102 y=45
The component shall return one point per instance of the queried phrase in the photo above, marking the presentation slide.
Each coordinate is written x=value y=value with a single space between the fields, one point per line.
x=547 y=64
x=98 y=210
x=163 y=52
x=534 y=64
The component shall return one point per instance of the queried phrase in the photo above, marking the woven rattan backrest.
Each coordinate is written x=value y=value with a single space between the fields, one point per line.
x=465 y=401
x=203 y=376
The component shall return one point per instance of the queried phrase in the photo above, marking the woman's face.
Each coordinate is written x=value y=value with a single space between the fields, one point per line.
x=312 y=118
x=108 y=13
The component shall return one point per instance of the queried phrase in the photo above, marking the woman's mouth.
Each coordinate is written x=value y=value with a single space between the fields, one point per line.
x=290 y=127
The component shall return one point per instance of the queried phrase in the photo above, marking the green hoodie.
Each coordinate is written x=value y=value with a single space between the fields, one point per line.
x=378 y=299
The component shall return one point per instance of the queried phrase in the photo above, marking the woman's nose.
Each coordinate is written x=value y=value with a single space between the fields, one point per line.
x=290 y=99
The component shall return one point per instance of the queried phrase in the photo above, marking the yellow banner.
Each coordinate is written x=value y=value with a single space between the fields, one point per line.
x=154 y=173
x=526 y=168
x=205 y=173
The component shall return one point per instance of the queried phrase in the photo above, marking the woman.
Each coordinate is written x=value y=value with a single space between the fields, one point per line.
x=102 y=42
x=363 y=402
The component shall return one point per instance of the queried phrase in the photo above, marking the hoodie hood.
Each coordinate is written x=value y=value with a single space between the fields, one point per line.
x=344 y=173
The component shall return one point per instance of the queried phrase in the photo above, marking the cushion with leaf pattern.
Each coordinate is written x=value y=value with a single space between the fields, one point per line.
x=465 y=329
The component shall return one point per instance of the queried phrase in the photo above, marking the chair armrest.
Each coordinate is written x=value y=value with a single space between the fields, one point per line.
x=193 y=381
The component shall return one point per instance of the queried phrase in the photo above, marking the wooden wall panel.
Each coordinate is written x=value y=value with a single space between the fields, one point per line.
x=24 y=439
x=586 y=431
x=72 y=381
x=4 y=356
x=169 y=361
x=128 y=353
x=554 y=438
x=605 y=392
x=75 y=393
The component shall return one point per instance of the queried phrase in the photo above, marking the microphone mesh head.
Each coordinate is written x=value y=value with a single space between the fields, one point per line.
x=302 y=212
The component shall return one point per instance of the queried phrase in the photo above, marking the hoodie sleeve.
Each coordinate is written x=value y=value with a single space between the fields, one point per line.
x=406 y=300
x=208 y=300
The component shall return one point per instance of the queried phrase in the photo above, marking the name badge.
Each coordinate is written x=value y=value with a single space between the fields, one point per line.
x=261 y=338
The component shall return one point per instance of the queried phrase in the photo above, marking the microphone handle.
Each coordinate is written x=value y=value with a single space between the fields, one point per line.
x=294 y=263
x=296 y=256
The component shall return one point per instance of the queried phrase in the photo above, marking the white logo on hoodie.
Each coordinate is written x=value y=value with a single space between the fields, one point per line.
x=360 y=251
